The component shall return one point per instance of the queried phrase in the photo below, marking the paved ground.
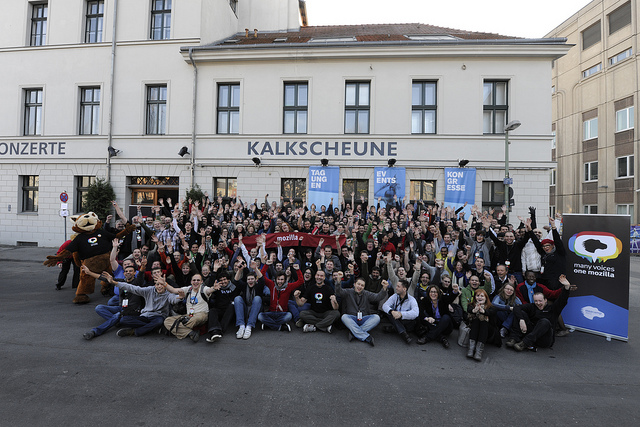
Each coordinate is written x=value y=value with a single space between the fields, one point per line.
x=50 y=375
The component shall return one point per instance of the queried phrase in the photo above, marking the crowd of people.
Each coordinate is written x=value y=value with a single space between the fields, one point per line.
x=201 y=267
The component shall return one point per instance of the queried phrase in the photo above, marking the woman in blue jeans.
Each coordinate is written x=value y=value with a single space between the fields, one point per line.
x=504 y=303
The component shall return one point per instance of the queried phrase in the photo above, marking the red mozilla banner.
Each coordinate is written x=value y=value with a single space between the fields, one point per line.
x=293 y=239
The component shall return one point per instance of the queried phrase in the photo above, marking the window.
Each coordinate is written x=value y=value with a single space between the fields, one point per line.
x=592 y=70
x=93 y=25
x=89 y=110
x=591 y=36
x=30 y=185
x=591 y=209
x=356 y=110
x=360 y=188
x=552 y=177
x=227 y=188
x=156 y=109
x=295 y=107
x=590 y=171
x=33 y=112
x=621 y=56
x=294 y=188
x=160 y=19
x=234 y=6
x=553 y=140
x=82 y=186
x=229 y=108
x=495 y=106
x=620 y=18
x=625 y=166
x=492 y=194
x=39 y=12
x=552 y=211
x=422 y=190
x=423 y=107
x=590 y=129
x=625 y=210
x=624 y=119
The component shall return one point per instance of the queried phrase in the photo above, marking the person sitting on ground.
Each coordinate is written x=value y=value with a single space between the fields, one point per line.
x=358 y=315
x=466 y=296
x=129 y=304
x=248 y=303
x=481 y=319
x=402 y=310
x=196 y=298
x=435 y=319
x=156 y=308
x=504 y=302
x=324 y=306
x=278 y=316
x=221 y=310
x=526 y=289
x=536 y=322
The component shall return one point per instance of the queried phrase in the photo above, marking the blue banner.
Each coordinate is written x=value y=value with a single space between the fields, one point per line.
x=324 y=184
x=598 y=263
x=460 y=188
x=388 y=182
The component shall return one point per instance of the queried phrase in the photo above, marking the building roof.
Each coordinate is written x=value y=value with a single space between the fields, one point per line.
x=357 y=33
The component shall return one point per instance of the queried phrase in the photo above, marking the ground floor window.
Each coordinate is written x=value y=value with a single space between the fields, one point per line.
x=147 y=191
x=360 y=188
x=591 y=209
x=422 y=190
x=227 y=188
x=82 y=186
x=625 y=210
x=492 y=195
x=30 y=185
x=293 y=188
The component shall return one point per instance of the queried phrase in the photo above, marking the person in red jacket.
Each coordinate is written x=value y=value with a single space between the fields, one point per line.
x=278 y=316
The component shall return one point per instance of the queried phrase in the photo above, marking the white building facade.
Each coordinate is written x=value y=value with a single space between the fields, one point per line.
x=233 y=81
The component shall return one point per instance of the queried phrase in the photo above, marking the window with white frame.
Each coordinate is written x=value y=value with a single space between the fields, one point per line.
x=39 y=13
x=624 y=119
x=590 y=129
x=620 y=57
x=32 y=112
x=227 y=188
x=94 y=19
x=229 y=108
x=160 y=19
x=295 y=107
x=495 y=106
x=89 y=110
x=552 y=177
x=356 y=107
x=82 y=188
x=552 y=211
x=423 y=107
x=553 y=140
x=590 y=209
x=590 y=171
x=625 y=167
x=625 y=210
x=590 y=71
x=156 y=109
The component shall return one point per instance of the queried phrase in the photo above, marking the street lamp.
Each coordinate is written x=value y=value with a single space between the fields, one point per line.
x=512 y=125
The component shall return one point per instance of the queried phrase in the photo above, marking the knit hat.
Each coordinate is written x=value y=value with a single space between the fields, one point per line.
x=547 y=241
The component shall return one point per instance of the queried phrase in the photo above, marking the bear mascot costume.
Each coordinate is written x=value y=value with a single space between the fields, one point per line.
x=91 y=247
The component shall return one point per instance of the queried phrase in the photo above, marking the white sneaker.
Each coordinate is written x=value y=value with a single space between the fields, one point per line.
x=241 y=332
x=247 y=333
x=309 y=328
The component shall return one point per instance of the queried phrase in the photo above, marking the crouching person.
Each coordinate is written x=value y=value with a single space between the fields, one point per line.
x=402 y=310
x=357 y=315
x=278 y=318
x=535 y=323
x=196 y=298
x=248 y=303
x=324 y=306
x=156 y=308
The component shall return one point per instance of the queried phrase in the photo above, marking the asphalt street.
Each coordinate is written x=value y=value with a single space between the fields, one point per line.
x=50 y=375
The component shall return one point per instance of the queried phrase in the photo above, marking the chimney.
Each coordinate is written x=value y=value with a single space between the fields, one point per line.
x=246 y=32
x=255 y=32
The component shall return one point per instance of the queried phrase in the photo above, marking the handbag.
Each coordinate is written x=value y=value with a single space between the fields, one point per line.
x=463 y=335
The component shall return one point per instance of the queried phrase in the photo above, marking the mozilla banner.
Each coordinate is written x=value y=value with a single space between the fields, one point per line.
x=598 y=262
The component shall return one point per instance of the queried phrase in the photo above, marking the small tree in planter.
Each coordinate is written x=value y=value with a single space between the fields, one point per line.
x=194 y=193
x=98 y=198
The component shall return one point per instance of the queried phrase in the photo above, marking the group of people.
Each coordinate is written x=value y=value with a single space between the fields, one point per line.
x=200 y=267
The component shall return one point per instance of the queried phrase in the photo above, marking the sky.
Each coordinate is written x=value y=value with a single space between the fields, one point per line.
x=518 y=18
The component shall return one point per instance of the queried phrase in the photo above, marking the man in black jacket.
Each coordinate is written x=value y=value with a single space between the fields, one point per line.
x=536 y=322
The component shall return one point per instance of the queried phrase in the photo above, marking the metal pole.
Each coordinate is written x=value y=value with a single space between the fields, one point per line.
x=506 y=173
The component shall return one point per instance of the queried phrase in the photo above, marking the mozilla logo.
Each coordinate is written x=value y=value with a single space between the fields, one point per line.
x=595 y=246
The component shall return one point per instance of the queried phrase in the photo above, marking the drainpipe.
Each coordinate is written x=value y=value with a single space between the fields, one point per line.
x=111 y=82
x=193 y=116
